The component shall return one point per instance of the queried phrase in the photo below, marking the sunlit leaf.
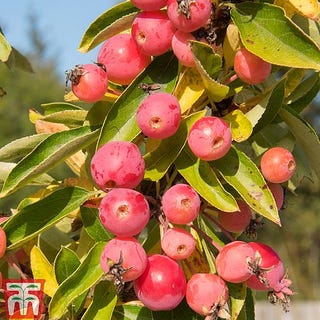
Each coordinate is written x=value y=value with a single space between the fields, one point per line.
x=5 y=48
x=307 y=8
x=237 y=294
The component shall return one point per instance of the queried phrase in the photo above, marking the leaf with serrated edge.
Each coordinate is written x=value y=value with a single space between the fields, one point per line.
x=109 y=23
x=83 y=278
x=268 y=33
x=244 y=176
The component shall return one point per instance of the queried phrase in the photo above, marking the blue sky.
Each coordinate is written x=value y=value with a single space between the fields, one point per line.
x=62 y=24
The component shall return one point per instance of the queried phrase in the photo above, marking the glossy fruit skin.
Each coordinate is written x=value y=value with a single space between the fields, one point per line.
x=133 y=255
x=236 y=221
x=152 y=32
x=210 y=138
x=180 y=204
x=204 y=291
x=178 y=243
x=149 y=5
x=200 y=11
x=122 y=58
x=3 y=243
x=117 y=164
x=182 y=49
x=124 y=212
x=162 y=286
x=232 y=262
x=278 y=193
x=92 y=84
x=251 y=68
x=159 y=115
x=277 y=165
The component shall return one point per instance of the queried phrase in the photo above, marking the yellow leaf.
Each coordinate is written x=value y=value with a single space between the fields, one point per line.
x=42 y=269
x=189 y=89
x=306 y=8
x=231 y=44
x=241 y=126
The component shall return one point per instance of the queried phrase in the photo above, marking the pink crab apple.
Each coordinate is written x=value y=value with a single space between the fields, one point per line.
x=210 y=138
x=149 y=5
x=159 y=115
x=189 y=15
x=236 y=221
x=277 y=165
x=124 y=212
x=234 y=260
x=152 y=32
x=162 y=285
x=207 y=294
x=117 y=164
x=251 y=68
x=181 y=204
x=122 y=58
x=89 y=82
x=178 y=243
x=129 y=252
x=3 y=242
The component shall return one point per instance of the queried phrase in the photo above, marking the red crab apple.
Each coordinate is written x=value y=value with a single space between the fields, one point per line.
x=129 y=252
x=277 y=165
x=3 y=242
x=89 y=82
x=117 y=164
x=152 y=32
x=149 y=5
x=251 y=68
x=124 y=212
x=162 y=285
x=122 y=58
x=189 y=15
x=159 y=115
x=210 y=138
x=278 y=193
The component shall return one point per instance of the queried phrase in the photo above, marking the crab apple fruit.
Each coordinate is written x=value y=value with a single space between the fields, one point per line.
x=182 y=49
x=277 y=165
x=189 y=15
x=159 y=115
x=210 y=138
x=122 y=58
x=3 y=242
x=206 y=293
x=129 y=252
x=181 y=204
x=149 y=5
x=278 y=193
x=233 y=261
x=178 y=243
x=124 y=212
x=152 y=32
x=162 y=285
x=89 y=82
x=117 y=164
x=236 y=221
x=250 y=68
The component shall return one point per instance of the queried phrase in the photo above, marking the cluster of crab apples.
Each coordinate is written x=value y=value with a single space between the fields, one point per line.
x=118 y=168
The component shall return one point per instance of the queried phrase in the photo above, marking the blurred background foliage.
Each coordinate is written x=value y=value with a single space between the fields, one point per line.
x=297 y=241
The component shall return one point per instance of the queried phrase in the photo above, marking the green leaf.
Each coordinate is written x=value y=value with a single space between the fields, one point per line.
x=41 y=215
x=53 y=150
x=103 y=302
x=53 y=107
x=92 y=224
x=267 y=109
x=82 y=279
x=18 y=148
x=209 y=64
x=249 y=306
x=159 y=160
x=71 y=118
x=305 y=135
x=237 y=293
x=120 y=123
x=5 y=48
x=268 y=33
x=202 y=178
x=244 y=176
x=111 y=22
x=17 y=60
